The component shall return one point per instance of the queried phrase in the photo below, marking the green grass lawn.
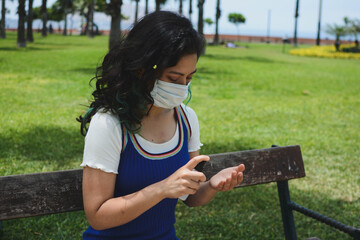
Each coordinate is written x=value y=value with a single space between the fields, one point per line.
x=245 y=98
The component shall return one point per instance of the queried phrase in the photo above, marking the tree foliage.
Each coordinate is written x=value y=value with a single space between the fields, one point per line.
x=336 y=30
x=236 y=18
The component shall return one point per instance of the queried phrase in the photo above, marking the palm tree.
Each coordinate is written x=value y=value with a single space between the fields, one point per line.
x=2 y=22
x=319 y=25
x=201 y=18
x=217 y=16
x=146 y=7
x=21 y=42
x=136 y=10
x=44 y=18
x=29 y=36
x=353 y=28
x=180 y=7
x=296 y=18
x=338 y=31
x=190 y=9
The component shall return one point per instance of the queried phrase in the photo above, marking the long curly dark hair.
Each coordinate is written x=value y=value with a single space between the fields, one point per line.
x=128 y=73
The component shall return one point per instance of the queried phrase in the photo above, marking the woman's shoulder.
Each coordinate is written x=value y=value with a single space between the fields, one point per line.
x=105 y=120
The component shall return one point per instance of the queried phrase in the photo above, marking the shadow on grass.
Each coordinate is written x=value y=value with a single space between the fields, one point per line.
x=86 y=70
x=254 y=213
x=14 y=49
x=221 y=57
x=42 y=143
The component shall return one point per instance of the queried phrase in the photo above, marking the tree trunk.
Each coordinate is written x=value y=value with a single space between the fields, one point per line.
x=217 y=16
x=29 y=36
x=71 y=23
x=115 y=29
x=136 y=11
x=44 y=18
x=90 y=25
x=146 y=7
x=296 y=18
x=201 y=18
x=319 y=25
x=180 y=7
x=65 y=24
x=3 y=26
x=157 y=5
x=190 y=9
x=21 y=42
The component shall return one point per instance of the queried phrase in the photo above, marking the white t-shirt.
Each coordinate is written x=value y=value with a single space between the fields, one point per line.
x=103 y=141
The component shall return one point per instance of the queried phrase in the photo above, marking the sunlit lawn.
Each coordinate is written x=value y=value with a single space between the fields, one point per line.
x=245 y=98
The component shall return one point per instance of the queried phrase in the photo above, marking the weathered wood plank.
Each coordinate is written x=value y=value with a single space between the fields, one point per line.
x=40 y=194
x=261 y=165
x=55 y=192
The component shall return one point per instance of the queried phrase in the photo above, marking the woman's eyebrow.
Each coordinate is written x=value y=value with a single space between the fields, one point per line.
x=182 y=74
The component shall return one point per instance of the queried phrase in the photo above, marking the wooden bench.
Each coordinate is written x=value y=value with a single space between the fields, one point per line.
x=46 y=193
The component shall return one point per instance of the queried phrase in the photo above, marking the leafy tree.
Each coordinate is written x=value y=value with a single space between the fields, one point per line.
x=217 y=17
x=21 y=42
x=201 y=18
x=338 y=31
x=236 y=18
x=136 y=10
x=86 y=8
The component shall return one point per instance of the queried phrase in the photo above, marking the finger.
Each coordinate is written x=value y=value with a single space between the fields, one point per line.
x=193 y=185
x=241 y=168
x=195 y=161
x=227 y=183
x=234 y=181
x=196 y=176
x=240 y=177
x=220 y=186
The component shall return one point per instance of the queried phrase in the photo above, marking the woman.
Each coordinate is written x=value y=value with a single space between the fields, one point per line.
x=141 y=137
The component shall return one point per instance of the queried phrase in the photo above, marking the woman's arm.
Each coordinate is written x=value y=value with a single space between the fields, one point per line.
x=225 y=180
x=104 y=211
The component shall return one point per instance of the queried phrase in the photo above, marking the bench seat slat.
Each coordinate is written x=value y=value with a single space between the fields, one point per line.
x=37 y=194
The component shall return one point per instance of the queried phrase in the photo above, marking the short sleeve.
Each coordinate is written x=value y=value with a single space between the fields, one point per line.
x=103 y=143
x=194 y=142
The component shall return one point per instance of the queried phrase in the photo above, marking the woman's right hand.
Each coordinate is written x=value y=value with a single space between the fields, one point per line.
x=184 y=180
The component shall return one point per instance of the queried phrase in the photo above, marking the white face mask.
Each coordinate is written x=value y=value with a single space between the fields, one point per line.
x=168 y=95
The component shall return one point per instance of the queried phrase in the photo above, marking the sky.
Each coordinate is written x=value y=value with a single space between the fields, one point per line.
x=256 y=12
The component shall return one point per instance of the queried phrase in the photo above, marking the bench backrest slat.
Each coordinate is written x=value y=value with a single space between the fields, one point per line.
x=60 y=191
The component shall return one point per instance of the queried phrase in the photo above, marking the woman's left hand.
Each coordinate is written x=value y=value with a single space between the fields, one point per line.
x=228 y=178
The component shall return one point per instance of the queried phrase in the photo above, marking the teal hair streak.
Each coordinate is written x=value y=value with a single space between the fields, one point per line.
x=188 y=98
x=86 y=116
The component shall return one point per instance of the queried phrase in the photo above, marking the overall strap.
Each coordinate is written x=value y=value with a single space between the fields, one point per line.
x=124 y=138
x=185 y=120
